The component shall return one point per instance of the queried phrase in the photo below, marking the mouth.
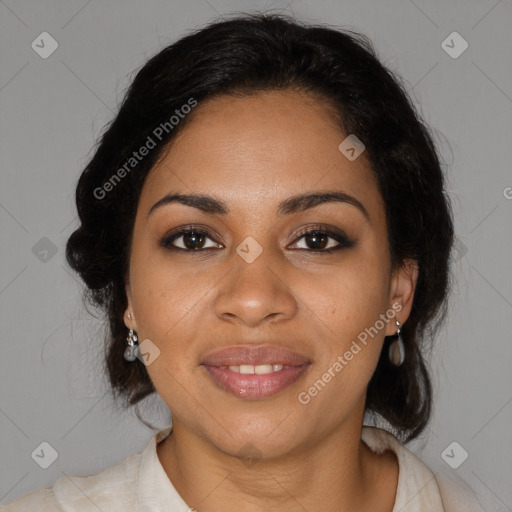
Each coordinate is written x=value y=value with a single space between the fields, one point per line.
x=254 y=373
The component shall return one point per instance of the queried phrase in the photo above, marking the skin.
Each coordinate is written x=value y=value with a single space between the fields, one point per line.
x=252 y=153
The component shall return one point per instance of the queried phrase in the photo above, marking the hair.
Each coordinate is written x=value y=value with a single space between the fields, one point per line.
x=246 y=55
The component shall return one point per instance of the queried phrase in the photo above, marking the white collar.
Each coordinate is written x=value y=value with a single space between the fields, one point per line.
x=417 y=489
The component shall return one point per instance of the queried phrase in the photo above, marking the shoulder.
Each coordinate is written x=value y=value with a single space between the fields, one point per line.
x=84 y=493
x=418 y=488
x=138 y=482
x=42 y=500
x=457 y=495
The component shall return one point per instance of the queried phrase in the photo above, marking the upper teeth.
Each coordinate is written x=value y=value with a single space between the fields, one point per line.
x=259 y=369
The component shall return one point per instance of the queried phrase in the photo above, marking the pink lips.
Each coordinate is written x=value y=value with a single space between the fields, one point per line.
x=255 y=386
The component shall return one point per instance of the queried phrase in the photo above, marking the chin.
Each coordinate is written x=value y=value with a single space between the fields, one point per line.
x=258 y=437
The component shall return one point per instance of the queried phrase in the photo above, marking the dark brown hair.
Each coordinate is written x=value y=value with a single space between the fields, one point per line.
x=261 y=53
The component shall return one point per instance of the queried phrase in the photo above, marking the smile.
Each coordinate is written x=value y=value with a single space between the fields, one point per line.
x=254 y=373
x=253 y=385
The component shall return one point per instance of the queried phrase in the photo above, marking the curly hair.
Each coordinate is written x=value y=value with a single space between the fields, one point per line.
x=244 y=55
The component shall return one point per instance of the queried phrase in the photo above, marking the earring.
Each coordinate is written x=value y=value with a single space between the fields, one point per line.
x=396 y=348
x=130 y=350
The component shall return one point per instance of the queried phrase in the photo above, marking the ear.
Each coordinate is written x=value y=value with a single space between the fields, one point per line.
x=129 y=316
x=403 y=286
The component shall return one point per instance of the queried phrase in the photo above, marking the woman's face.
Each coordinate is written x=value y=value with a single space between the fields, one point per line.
x=255 y=284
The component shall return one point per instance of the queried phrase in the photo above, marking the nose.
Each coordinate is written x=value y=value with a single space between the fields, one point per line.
x=255 y=293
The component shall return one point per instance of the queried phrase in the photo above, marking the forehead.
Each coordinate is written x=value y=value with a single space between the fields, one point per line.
x=262 y=147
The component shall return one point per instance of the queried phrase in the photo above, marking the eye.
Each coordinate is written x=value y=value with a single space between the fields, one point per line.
x=193 y=240
x=316 y=239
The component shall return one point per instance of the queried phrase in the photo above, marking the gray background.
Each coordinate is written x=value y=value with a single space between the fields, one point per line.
x=53 y=109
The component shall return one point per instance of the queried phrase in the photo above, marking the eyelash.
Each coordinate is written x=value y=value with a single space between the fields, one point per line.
x=342 y=239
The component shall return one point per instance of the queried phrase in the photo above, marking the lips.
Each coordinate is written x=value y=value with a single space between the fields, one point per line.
x=254 y=373
x=236 y=356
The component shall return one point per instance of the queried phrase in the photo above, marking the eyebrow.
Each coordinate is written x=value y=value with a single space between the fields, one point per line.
x=294 y=204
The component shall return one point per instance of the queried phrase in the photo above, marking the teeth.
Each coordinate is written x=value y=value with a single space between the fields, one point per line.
x=259 y=369
x=246 y=369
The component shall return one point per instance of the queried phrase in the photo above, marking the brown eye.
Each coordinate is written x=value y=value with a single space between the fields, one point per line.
x=193 y=240
x=324 y=241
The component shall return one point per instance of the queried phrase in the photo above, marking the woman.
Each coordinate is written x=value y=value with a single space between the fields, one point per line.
x=266 y=227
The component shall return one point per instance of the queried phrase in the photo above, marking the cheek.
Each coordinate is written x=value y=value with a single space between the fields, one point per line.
x=165 y=303
x=347 y=305
x=350 y=337
x=348 y=298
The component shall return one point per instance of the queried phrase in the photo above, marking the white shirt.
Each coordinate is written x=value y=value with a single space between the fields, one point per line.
x=140 y=483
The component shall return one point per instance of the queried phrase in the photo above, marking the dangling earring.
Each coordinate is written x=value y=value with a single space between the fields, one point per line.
x=396 y=348
x=130 y=350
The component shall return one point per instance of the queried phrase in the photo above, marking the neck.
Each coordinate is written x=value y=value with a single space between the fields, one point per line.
x=339 y=472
